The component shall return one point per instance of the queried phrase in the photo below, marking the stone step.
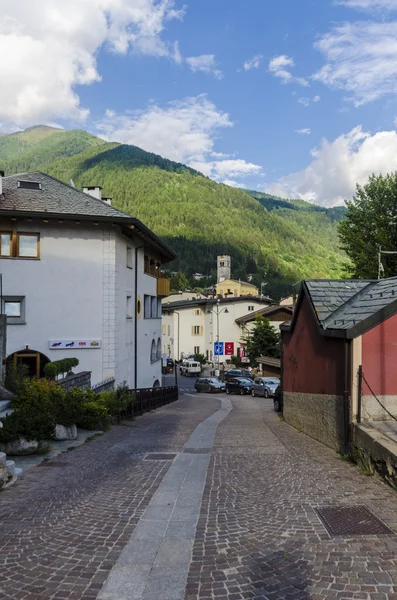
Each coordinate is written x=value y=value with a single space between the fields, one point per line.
x=4 y=404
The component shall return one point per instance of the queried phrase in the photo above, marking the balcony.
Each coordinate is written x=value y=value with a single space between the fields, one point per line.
x=163 y=287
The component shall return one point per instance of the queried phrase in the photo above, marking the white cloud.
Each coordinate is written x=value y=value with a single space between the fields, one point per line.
x=303 y=131
x=253 y=63
x=233 y=183
x=369 y=5
x=205 y=63
x=280 y=67
x=51 y=47
x=184 y=131
x=361 y=59
x=339 y=165
x=304 y=101
x=316 y=98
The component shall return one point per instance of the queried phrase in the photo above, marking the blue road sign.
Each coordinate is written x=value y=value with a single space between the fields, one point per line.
x=218 y=348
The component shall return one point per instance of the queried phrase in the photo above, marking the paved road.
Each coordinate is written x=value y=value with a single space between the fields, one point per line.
x=232 y=516
x=185 y=384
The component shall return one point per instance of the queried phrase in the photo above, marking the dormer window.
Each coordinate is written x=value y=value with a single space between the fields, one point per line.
x=29 y=185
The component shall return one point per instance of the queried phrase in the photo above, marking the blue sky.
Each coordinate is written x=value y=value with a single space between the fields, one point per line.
x=293 y=97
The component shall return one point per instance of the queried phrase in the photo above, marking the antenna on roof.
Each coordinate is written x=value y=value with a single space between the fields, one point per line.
x=72 y=183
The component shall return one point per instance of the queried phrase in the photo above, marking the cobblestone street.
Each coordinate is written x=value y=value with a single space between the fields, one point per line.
x=230 y=517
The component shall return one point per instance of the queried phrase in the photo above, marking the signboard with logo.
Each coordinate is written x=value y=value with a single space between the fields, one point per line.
x=229 y=348
x=218 y=348
x=76 y=344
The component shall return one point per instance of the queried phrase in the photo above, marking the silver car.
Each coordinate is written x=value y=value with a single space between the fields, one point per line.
x=265 y=386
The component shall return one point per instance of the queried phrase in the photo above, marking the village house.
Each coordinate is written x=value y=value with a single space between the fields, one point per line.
x=339 y=358
x=80 y=278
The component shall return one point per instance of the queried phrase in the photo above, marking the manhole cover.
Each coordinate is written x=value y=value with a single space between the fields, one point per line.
x=159 y=456
x=351 y=520
x=197 y=450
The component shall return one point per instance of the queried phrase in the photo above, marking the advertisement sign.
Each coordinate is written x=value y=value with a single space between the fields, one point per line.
x=229 y=348
x=76 y=344
x=218 y=348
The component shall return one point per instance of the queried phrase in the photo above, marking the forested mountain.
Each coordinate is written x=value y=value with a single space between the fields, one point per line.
x=276 y=241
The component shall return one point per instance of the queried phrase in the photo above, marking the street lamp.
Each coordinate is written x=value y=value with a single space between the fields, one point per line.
x=217 y=311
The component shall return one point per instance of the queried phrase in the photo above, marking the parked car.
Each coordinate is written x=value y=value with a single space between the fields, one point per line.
x=191 y=368
x=239 y=385
x=237 y=373
x=278 y=399
x=265 y=386
x=209 y=384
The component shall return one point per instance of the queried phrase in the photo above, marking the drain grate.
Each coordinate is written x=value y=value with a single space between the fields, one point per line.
x=351 y=520
x=160 y=456
x=197 y=450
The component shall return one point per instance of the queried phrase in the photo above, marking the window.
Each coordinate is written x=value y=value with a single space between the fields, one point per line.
x=164 y=329
x=19 y=245
x=158 y=354
x=196 y=350
x=147 y=307
x=159 y=308
x=197 y=312
x=130 y=258
x=14 y=308
x=129 y=307
x=222 y=264
x=251 y=308
x=169 y=329
x=29 y=185
x=197 y=330
x=153 y=352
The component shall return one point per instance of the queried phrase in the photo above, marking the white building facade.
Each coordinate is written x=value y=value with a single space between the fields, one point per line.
x=192 y=326
x=79 y=278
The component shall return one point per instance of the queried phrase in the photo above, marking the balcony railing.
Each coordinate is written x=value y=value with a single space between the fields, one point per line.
x=163 y=287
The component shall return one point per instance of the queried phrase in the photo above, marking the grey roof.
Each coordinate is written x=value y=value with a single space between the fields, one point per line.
x=375 y=297
x=57 y=199
x=264 y=312
x=328 y=295
x=202 y=301
x=54 y=197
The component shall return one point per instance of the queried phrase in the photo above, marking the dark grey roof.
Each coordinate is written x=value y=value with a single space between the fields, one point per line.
x=202 y=301
x=57 y=199
x=375 y=297
x=54 y=197
x=328 y=295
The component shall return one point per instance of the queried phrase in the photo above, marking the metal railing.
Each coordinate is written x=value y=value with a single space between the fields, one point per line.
x=147 y=399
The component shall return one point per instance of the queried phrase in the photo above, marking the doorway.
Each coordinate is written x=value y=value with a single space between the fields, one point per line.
x=34 y=361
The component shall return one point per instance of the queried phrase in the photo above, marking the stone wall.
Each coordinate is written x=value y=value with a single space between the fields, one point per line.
x=372 y=410
x=319 y=416
x=81 y=380
x=375 y=452
x=3 y=342
x=104 y=386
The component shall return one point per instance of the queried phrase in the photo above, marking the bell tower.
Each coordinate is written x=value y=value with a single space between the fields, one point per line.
x=223 y=268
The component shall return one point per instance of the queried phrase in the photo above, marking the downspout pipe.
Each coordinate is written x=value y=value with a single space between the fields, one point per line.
x=136 y=319
x=346 y=411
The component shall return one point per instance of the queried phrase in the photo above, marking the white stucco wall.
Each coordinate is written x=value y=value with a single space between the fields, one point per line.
x=62 y=290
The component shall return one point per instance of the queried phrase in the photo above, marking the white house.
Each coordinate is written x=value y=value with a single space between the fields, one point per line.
x=192 y=326
x=80 y=278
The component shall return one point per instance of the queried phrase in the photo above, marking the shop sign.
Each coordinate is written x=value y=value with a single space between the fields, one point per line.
x=76 y=344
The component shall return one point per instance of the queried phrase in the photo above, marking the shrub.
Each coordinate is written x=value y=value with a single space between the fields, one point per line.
x=15 y=376
x=28 y=422
x=51 y=370
x=93 y=416
x=60 y=367
x=118 y=401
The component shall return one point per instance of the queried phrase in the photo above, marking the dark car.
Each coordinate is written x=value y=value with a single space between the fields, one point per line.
x=209 y=384
x=237 y=373
x=278 y=400
x=239 y=385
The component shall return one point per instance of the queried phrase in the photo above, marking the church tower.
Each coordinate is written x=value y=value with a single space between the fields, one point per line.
x=223 y=268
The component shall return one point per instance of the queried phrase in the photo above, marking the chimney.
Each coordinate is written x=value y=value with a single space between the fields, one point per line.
x=94 y=190
x=107 y=200
x=1 y=182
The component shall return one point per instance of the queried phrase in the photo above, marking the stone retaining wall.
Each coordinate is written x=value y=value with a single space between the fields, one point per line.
x=318 y=415
x=104 y=386
x=81 y=380
x=371 y=410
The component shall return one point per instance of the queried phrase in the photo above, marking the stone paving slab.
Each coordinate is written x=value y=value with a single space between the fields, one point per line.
x=258 y=535
x=62 y=528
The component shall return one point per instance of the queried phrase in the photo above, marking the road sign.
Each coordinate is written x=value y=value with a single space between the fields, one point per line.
x=218 y=348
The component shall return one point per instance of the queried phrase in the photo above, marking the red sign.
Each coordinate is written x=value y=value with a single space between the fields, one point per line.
x=229 y=348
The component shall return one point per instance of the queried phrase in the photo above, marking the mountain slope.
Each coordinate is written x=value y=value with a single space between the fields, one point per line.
x=196 y=216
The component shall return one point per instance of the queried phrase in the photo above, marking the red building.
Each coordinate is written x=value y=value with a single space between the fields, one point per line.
x=338 y=326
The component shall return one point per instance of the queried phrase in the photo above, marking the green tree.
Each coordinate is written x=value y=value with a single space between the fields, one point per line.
x=179 y=282
x=371 y=221
x=262 y=340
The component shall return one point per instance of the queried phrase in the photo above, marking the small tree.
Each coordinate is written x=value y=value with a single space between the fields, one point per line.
x=262 y=340
x=179 y=282
x=200 y=358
